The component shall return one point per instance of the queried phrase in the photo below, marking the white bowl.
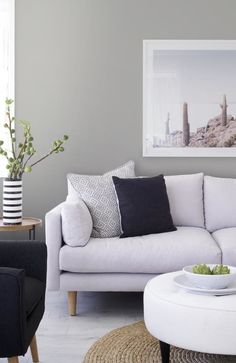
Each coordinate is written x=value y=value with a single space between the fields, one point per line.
x=210 y=281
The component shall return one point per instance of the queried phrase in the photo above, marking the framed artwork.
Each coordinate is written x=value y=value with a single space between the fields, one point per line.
x=189 y=98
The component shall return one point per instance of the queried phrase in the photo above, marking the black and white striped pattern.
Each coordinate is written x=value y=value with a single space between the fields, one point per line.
x=12 y=201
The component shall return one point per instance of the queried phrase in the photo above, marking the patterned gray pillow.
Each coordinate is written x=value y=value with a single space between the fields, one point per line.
x=97 y=191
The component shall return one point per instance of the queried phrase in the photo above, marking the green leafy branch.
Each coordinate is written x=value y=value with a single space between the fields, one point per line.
x=18 y=158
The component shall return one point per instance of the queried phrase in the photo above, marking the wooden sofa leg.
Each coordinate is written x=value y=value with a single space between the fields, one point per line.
x=34 y=350
x=72 y=299
x=13 y=360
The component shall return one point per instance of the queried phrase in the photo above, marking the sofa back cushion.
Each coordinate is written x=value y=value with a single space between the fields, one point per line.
x=220 y=202
x=98 y=193
x=185 y=194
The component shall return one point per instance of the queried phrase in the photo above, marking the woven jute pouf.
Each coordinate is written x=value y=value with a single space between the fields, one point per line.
x=133 y=344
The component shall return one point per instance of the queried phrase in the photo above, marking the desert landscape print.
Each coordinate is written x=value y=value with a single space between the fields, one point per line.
x=190 y=100
x=220 y=131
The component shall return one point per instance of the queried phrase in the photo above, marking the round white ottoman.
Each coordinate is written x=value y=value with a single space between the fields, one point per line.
x=190 y=321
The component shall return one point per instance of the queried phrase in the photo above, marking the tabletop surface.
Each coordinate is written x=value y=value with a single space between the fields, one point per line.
x=27 y=224
x=163 y=287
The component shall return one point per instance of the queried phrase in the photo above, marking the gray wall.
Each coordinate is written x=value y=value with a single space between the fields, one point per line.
x=79 y=71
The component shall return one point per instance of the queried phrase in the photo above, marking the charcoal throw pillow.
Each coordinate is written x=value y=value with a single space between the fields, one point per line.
x=97 y=192
x=143 y=205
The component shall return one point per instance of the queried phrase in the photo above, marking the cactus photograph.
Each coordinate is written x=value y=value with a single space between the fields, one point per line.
x=189 y=98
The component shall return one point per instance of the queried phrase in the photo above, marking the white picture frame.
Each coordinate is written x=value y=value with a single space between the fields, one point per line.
x=201 y=74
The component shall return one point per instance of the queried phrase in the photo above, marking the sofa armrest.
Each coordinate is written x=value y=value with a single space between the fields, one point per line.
x=54 y=241
x=12 y=311
x=30 y=256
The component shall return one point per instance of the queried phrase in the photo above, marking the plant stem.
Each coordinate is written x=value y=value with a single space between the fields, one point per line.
x=23 y=167
x=13 y=172
x=45 y=156
x=22 y=149
x=11 y=134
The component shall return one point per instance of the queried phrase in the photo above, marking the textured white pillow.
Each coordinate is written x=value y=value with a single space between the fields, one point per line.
x=76 y=223
x=98 y=193
x=185 y=193
x=220 y=202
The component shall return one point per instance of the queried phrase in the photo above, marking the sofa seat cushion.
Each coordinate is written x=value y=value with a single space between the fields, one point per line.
x=154 y=253
x=226 y=239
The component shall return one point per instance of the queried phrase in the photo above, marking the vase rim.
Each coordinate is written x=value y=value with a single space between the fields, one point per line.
x=11 y=179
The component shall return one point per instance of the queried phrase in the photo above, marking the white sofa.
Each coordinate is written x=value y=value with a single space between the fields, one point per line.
x=204 y=210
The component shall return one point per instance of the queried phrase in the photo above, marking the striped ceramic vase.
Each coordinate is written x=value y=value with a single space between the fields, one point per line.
x=12 y=201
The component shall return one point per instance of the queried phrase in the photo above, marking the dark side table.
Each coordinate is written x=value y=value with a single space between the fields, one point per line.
x=28 y=224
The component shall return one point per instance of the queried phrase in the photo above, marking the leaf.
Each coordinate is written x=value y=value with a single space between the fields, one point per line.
x=8 y=101
x=27 y=169
x=24 y=123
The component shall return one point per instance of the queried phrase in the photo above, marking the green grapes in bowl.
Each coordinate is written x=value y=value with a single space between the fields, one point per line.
x=220 y=270
x=204 y=269
x=210 y=276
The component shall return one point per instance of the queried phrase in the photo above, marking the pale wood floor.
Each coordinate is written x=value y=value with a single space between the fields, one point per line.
x=65 y=339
